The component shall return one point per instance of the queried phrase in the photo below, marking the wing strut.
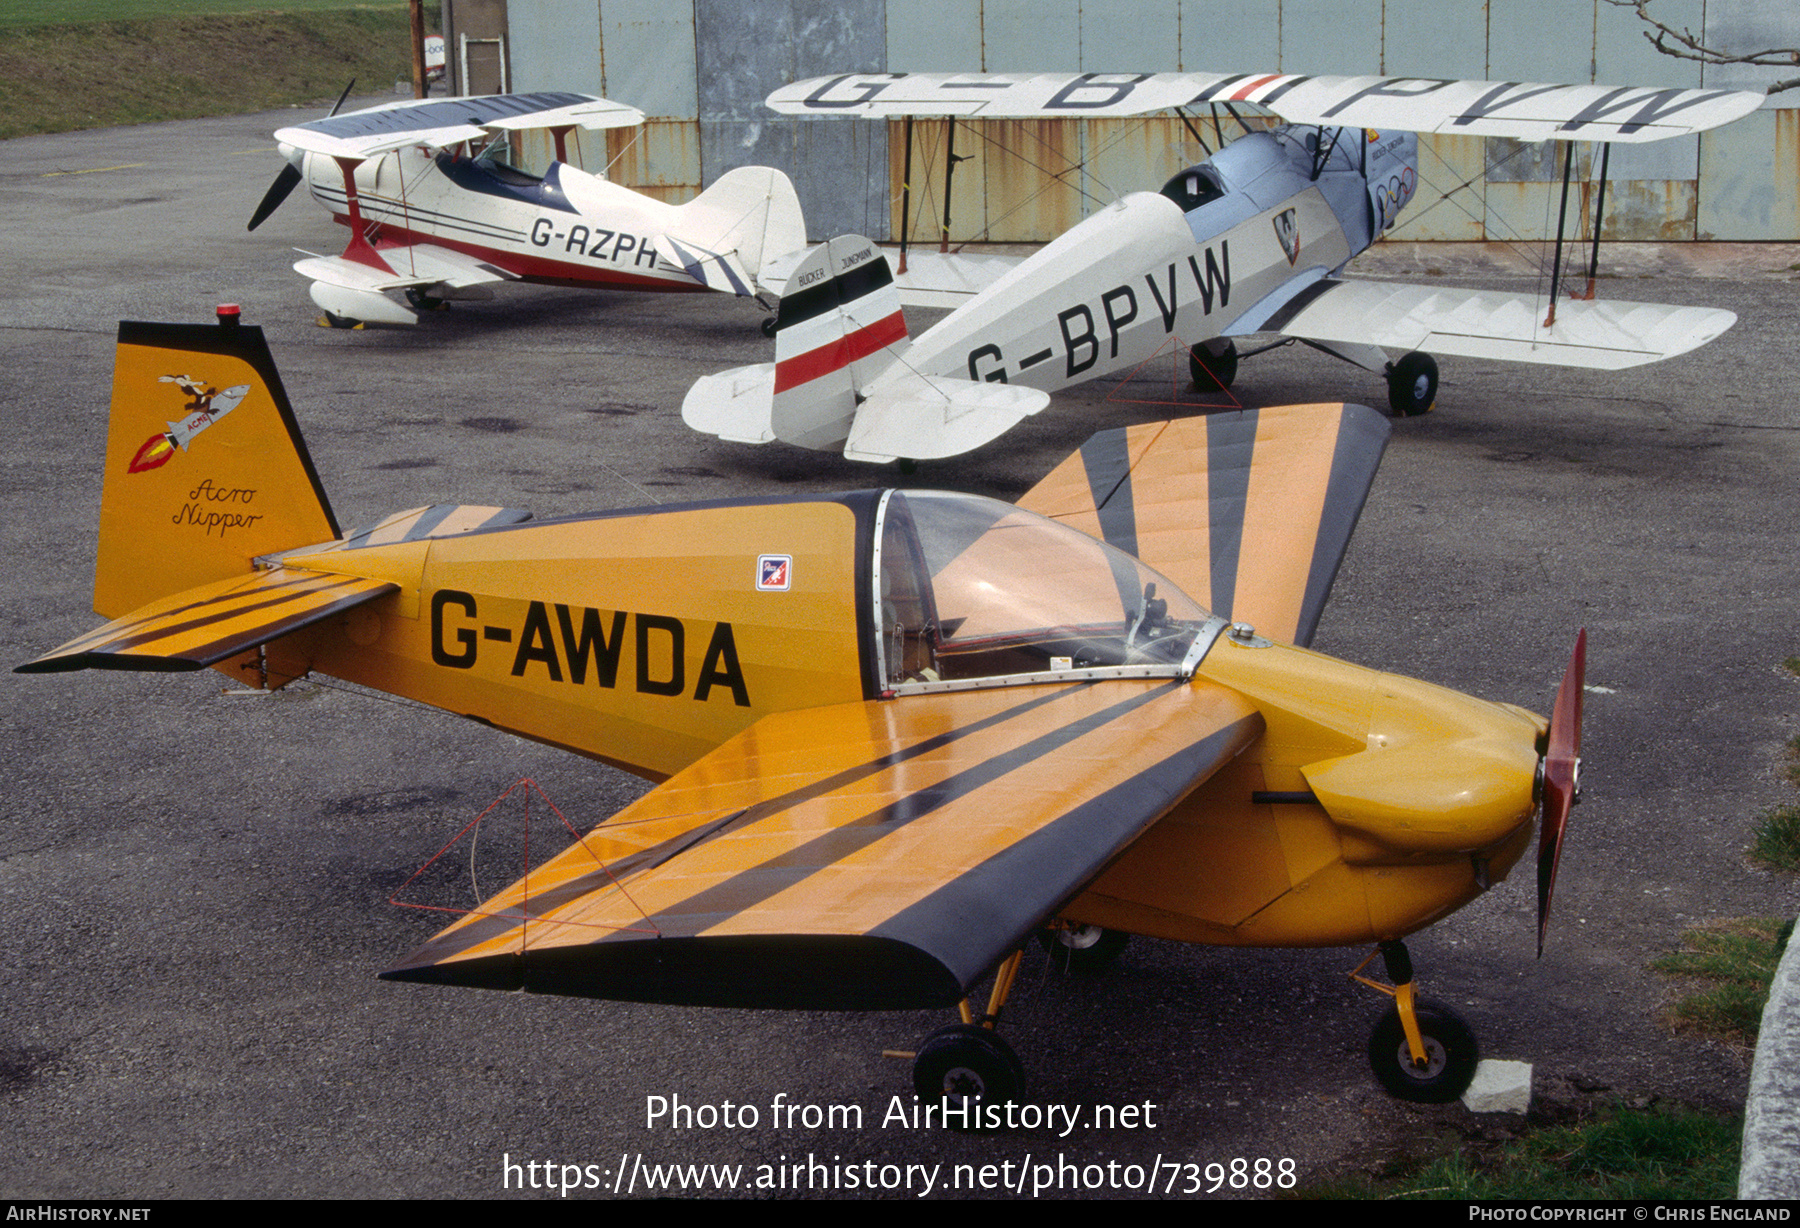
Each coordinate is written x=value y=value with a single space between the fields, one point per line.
x=905 y=197
x=1599 y=215
x=1562 y=215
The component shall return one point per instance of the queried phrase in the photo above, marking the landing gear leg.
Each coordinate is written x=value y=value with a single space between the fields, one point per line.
x=1421 y=1050
x=967 y=1067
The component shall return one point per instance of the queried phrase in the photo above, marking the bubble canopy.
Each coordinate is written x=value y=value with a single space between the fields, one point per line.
x=972 y=591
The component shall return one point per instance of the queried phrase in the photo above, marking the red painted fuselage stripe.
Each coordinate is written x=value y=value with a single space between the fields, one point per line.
x=835 y=355
x=1255 y=85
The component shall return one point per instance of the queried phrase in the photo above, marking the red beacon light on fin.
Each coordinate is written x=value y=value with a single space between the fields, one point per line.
x=228 y=314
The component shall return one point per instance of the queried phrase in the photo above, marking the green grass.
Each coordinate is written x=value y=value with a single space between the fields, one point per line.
x=17 y=13
x=224 y=61
x=1792 y=664
x=1733 y=962
x=1658 y=1153
x=1777 y=843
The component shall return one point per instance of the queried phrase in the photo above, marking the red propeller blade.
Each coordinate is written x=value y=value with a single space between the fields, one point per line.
x=1562 y=771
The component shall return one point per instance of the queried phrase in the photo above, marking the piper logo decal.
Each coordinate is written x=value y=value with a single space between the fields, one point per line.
x=774 y=572
x=208 y=404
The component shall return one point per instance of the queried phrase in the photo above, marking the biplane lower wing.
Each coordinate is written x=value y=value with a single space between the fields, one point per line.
x=417 y=264
x=202 y=626
x=1604 y=336
x=1250 y=512
x=873 y=855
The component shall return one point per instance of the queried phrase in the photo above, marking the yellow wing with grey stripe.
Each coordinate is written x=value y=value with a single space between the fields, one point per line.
x=1250 y=513
x=205 y=625
x=872 y=855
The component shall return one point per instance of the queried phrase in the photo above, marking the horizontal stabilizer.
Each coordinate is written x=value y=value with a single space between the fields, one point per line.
x=871 y=855
x=1249 y=513
x=203 y=626
x=714 y=270
x=738 y=405
x=1603 y=336
x=927 y=417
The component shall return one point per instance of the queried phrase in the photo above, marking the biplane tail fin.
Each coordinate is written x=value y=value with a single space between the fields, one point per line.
x=840 y=378
x=205 y=467
x=725 y=235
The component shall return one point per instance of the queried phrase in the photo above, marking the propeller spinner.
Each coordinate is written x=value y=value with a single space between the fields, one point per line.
x=1562 y=777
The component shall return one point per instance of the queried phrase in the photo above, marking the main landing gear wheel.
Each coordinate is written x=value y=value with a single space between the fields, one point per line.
x=769 y=325
x=422 y=301
x=969 y=1066
x=1450 y=1051
x=1412 y=384
x=1085 y=950
x=1213 y=367
x=329 y=320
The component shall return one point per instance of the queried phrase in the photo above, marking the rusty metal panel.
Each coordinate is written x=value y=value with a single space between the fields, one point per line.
x=1660 y=210
x=1750 y=178
x=1451 y=202
x=660 y=159
x=1431 y=38
x=1134 y=156
x=555 y=47
x=649 y=57
x=1320 y=36
x=742 y=52
x=1541 y=40
x=1229 y=37
x=1031 y=35
x=933 y=36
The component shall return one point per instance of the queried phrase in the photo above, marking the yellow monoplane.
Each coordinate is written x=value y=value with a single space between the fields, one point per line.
x=897 y=733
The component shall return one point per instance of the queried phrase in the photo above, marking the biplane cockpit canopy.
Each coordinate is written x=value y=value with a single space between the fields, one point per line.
x=972 y=591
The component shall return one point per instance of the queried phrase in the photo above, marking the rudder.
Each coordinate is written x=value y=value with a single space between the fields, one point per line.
x=205 y=466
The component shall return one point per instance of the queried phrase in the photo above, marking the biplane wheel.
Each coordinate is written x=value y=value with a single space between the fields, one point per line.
x=422 y=301
x=967 y=1065
x=1085 y=950
x=1412 y=384
x=1212 y=368
x=769 y=325
x=1450 y=1050
x=331 y=320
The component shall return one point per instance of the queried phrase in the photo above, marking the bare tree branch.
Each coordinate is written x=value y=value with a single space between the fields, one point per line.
x=1687 y=46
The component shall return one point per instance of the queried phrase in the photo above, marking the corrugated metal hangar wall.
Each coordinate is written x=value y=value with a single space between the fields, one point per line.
x=701 y=68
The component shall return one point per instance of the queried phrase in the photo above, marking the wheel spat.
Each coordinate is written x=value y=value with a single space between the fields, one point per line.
x=1562 y=778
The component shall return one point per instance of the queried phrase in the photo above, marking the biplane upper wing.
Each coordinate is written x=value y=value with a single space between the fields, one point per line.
x=445 y=121
x=1249 y=513
x=1415 y=104
x=882 y=854
x=1494 y=324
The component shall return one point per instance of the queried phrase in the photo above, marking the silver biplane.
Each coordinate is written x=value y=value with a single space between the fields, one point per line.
x=1253 y=241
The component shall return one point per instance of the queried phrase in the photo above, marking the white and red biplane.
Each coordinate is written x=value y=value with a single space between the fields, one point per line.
x=430 y=222
x=1252 y=241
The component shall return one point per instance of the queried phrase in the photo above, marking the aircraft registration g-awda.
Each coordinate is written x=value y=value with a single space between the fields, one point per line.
x=1252 y=241
x=898 y=733
x=437 y=225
